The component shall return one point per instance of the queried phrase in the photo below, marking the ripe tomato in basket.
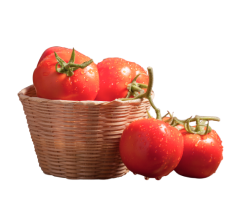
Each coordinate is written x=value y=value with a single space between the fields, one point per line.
x=115 y=76
x=202 y=154
x=151 y=147
x=66 y=75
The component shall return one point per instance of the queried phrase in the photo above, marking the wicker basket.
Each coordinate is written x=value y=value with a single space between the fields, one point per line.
x=79 y=139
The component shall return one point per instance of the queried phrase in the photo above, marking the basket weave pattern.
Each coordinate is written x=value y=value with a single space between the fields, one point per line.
x=79 y=140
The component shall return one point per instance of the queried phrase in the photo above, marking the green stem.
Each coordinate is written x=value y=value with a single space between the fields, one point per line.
x=200 y=124
x=149 y=116
x=136 y=88
x=133 y=88
x=177 y=121
x=207 y=130
x=173 y=121
x=212 y=118
x=151 y=82
x=157 y=110
x=147 y=94
x=198 y=127
x=82 y=66
x=141 y=85
x=70 y=67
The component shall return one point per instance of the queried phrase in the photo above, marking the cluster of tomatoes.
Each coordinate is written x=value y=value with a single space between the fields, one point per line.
x=67 y=74
x=149 y=147
x=154 y=148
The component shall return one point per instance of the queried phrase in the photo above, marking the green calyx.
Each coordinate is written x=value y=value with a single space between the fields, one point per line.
x=137 y=88
x=134 y=88
x=200 y=123
x=70 y=67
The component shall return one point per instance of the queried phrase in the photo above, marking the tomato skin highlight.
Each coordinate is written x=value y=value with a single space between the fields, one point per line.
x=201 y=156
x=151 y=147
x=50 y=84
x=115 y=74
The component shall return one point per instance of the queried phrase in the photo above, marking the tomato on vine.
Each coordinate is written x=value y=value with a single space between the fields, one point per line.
x=202 y=146
x=151 y=147
x=203 y=149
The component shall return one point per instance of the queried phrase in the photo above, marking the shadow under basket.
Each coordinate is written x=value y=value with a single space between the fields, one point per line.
x=79 y=139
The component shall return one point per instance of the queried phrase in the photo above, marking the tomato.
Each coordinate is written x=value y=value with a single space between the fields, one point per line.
x=50 y=84
x=151 y=147
x=201 y=156
x=115 y=74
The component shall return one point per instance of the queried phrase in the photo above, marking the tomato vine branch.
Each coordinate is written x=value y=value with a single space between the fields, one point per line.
x=147 y=94
x=201 y=128
x=200 y=123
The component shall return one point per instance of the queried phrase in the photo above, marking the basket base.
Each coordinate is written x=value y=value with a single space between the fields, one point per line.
x=88 y=177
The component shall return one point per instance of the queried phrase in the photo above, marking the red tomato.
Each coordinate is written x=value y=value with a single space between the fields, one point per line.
x=151 y=147
x=201 y=156
x=82 y=85
x=115 y=74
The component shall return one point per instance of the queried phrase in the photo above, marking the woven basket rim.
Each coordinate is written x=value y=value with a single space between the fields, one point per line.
x=22 y=95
